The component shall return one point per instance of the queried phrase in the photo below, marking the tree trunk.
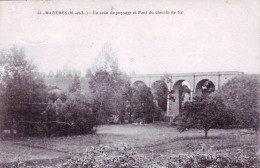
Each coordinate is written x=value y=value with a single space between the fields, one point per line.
x=130 y=117
x=144 y=119
x=153 y=116
x=206 y=133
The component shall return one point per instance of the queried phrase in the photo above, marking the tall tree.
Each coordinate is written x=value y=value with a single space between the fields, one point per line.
x=143 y=100
x=128 y=97
x=107 y=60
x=59 y=74
x=75 y=86
x=107 y=85
x=24 y=92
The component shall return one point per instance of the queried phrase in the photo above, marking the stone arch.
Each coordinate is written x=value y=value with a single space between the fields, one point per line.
x=181 y=92
x=160 y=92
x=204 y=87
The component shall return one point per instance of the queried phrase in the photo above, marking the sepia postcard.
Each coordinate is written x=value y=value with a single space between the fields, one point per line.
x=127 y=84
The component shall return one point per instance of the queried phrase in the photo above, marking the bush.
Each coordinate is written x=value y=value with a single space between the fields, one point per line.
x=75 y=116
x=124 y=157
x=159 y=114
x=105 y=157
x=241 y=97
x=213 y=159
x=72 y=117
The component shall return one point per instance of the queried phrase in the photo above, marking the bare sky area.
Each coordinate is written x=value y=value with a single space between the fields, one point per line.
x=216 y=35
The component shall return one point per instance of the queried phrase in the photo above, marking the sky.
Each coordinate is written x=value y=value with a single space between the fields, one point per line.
x=209 y=36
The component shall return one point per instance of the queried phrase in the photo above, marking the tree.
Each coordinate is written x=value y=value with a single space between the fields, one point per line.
x=106 y=61
x=75 y=116
x=50 y=75
x=59 y=74
x=107 y=85
x=75 y=86
x=107 y=94
x=143 y=100
x=241 y=97
x=160 y=92
x=168 y=80
x=100 y=93
x=204 y=114
x=184 y=95
x=119 y=85
x=49 y=116
x=55 y=93
x=25 y=93
x=128 y=96
x=72 y=117
x=88 y=73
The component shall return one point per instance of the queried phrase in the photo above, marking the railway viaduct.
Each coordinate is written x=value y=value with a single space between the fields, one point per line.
x=194 y=81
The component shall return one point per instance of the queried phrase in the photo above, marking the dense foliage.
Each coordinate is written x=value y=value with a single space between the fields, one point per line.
x=72 y=117
x=24 y=93
x=241 y=97
x=106 y=157
x=75 y=86
x=68 y=113
x=115 y=100
x=113 y=97
x=107 y=91
x=204 y=114
x=144 y=107
x=235 y=104
x=124 y=157
x=160 y=92
x=33 y=109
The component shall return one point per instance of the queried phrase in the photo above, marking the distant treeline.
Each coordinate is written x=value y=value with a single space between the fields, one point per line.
x=30 y=107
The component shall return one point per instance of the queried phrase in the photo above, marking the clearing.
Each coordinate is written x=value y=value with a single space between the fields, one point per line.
x=154 y=139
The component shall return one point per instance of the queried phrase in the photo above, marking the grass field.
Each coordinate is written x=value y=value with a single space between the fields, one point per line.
x=156 y=139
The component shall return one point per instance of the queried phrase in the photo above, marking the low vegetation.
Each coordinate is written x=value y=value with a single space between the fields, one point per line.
x=123 y=157
x=155 y=145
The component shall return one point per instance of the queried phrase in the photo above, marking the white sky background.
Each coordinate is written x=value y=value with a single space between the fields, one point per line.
x=216 y=35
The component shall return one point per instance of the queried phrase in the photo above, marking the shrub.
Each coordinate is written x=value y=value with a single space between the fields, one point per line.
x=124 y=157
x=213 y=159
x=72 y=117
x=204 y=114
x=105 y=157
x=241 y=97
x=76 y=115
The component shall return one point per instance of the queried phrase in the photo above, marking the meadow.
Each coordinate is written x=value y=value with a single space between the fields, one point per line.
x=151 y=141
